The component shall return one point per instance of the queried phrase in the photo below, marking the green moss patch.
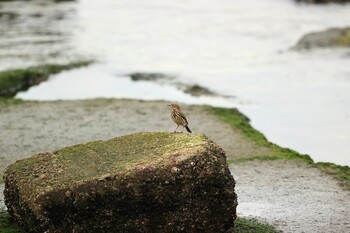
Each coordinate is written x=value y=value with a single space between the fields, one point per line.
x=120 y=154
x=10 y=101
x=239 y=121
x=251 y=225
x=5 y=225
x=341 y=173
x=241 y=124
x=344 y=40
x=13 y=81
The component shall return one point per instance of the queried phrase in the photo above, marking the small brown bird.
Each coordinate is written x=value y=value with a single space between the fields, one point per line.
x=179 y=117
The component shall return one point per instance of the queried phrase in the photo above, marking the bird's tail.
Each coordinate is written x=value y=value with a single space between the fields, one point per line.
x=188 y=129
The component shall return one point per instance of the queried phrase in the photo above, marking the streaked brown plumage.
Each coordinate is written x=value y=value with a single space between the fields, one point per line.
x=179 y=117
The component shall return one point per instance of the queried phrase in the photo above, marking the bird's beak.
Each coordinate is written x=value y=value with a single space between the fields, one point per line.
x=168 y=105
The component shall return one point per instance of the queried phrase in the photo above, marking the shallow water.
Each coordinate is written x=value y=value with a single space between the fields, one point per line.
x=297 y=99
x=35 y=32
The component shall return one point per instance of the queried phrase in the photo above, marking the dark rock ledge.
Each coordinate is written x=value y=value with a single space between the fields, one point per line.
x=323 y=1
x=195 y=90
x=144 y=182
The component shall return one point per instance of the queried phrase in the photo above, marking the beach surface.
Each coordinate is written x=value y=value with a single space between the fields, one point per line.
x=290 y=194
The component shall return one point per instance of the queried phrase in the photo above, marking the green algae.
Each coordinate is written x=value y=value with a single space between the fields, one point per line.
x=246 y=225
x=5 y=225
x=239 y=121
x=241 y=124
x=340 y=173
x=123 y=153
x=344 y=40
x=11 y=101
x=13 y=81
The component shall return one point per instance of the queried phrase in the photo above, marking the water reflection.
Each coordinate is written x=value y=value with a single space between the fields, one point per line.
x=35 y=32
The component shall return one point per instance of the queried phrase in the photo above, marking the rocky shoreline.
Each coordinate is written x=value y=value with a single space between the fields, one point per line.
x=272 y=184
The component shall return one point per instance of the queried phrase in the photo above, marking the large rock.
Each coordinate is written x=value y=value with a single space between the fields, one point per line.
x=333 y=37
x=145 y=182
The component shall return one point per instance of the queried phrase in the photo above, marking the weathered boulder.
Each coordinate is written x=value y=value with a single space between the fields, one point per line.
x=144 y=182
x=333 y=37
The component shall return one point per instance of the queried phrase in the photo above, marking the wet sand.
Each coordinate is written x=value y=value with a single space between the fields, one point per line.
x=291 y=195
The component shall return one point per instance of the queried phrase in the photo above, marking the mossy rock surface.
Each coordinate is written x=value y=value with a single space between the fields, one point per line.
x=333 y=37
x=145 y=182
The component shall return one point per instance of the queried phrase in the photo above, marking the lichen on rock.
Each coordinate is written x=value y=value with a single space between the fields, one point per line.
x=144 y=182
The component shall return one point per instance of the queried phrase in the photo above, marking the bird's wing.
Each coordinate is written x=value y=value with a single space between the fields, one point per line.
x=184 y=117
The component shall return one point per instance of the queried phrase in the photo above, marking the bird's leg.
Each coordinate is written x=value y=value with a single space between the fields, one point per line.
x=182 y=129
x=176 y=128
